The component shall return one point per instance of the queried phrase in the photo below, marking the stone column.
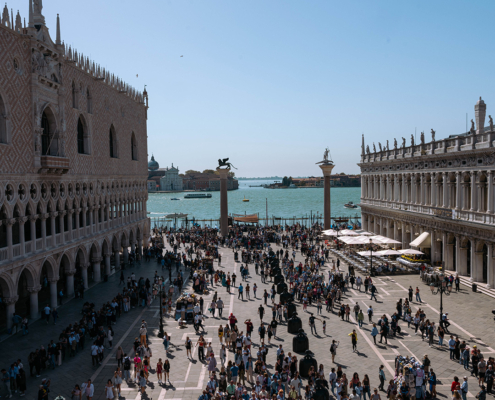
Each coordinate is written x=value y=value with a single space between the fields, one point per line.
x=91 y=220
x=405 y=245
x=490 y=275
x=33 y=300
x=107 y=264
x=445 y=190
x=396 y=231
x=327 y=171
x=10 y=305
x=83 y=210
x=125 y=253
x=363 y=188
x=458 y=264
x=10 y=222
x=458 y=191
x=433 y=188
x=473 y=261
x=404 y=188
x=61 y=222
x=69 y=283
x=53 y=215
x=53 y=292
x=43 y=217
x=224 y=205
x=489 y=206
x=22 y=221
x=96 y=269
x=473 y=191
x=364 y=221
x=422 y=189
x=445 y=252
x=396 y=188
x=32 y=222
x=69 y=223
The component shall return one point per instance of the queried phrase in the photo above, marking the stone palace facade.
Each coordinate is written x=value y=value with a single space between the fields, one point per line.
x=445 y=188
x=73 y=162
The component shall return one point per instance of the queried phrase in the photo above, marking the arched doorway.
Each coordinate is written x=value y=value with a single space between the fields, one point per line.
x=79 y=279
x=44 y=293
x=23 y=304
x=65 y=283
x=468 y=258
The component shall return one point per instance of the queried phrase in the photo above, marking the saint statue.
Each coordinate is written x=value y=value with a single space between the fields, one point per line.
x=395 y=143
x=491 y=123
x=387 y=146
x=404 y=142
x=432 y=135
x=473 y=131
x=422 y=138
x=380 y=146
x=325 y=154
x=374 y=147
x=368 y=149
x=37 y=6
x=412 y=140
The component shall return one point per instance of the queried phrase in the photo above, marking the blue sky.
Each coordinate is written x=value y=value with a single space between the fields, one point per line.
x=271 y=83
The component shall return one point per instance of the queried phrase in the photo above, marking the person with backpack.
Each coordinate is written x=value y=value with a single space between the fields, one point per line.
x=333 y=349
x=127 y=368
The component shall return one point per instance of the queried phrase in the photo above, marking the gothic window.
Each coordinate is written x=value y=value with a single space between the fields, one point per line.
x=45 y=135
x=89 y=101
x=82 y=136
x=113 y=143
x=3 y=122
x=134 y=148
x=3 y=228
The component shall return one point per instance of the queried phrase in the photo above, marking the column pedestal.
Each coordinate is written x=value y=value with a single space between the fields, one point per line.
x=327 y=210
x=224 y=207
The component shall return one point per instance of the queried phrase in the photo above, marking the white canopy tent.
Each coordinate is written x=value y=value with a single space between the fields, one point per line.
x=422 y=241
x=410 y=251
x=388 y=253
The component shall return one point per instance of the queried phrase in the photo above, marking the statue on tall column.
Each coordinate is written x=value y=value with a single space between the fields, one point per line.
x=225 y=163
x=37 y=6
x=325 y=154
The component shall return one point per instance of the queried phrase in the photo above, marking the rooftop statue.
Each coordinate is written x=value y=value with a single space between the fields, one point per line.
x=412 y=140
x=473 y=131
x=432 y=135
x=491 y=123
x=368 y=149
x=374 y=147
x=422 y=138
x=404 y=142
x=380 y=146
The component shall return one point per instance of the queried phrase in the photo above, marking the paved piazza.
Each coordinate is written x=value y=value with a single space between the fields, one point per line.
x=470 y=314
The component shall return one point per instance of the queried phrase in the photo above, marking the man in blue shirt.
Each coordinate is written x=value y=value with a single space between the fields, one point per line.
x=241 y=291
x=235 y=371
x=452 y=347
x=464 y=388
x=6 y=381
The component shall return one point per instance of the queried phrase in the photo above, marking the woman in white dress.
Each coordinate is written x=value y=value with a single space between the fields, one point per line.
x=109 y=390
x=117 y=380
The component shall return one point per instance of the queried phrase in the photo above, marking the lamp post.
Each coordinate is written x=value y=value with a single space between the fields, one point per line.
x=161 y=332
x=444 y=288
x=371 y=258
x=337 y=230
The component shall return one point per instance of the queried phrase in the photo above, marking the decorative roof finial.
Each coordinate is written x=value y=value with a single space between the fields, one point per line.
x=58 y=42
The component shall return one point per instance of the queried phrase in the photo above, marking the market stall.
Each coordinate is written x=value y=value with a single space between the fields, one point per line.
x=184 y=308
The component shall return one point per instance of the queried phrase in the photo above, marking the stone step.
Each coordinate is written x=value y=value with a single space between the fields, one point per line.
x=481 y=286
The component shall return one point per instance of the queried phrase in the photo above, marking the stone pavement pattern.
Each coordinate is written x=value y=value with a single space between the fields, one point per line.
x=469 y=312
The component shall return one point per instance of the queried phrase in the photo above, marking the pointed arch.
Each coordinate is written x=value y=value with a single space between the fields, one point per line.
x=4 y=123
x=112 y=136
x=83 y=137
x=49 y=137
x=89 y=101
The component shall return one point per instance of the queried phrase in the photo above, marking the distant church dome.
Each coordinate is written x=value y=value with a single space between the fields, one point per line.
x=153 y=165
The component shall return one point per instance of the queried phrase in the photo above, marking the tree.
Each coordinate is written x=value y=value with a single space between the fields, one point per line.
x=208 y=171
x=231 y=174
x=192 y=171
x=342 y=173
x=289 y=181
x=284 y=181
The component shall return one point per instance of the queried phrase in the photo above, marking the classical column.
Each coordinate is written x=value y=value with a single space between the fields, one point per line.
x=125 y=253
x=96 y=269
x=403 y=194
x=84 y=209
x=364 y=221
x=489 y=206
x=9 y=222
x=43 y=217
x=445 y=252
x=434 y=246
x=117 y=260
x=61 y=223
x=107 y=264
x=490 y=275
x=396 y=188
x=53 y=292
x=224 y=204
x=91 y=220
x=69 y=224
x=78 y=212
x=22 y=221
x=363 y=188
x=433 y=188
x=69 y=283
x=327 y=171
x=140 y=247
x=405 y=245
x=32 y=222
x=473 y=191
x=396 y=230
x=53 y=215
x=10 y=306
x=445 y=190
x=458 y=263
x=422 y=189
x=33 y=300
x=473 y=261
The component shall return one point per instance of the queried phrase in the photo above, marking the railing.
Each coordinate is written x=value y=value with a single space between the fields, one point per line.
x=16 y=250
x=39 y=244
x=4 y=254
x=28 y=247
x=67 y=236
x=58 y=239
x=49 y=241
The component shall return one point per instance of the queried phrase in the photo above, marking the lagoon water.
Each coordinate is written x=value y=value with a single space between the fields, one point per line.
x=283 y=203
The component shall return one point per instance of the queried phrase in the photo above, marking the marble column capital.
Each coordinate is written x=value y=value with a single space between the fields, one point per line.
x=70 y=273
x=34 y=217
x=71 y=211
x=53 y=214
x=53 y=279
x=10 y=221
x=62 y=213
x=96 y=260
x=10 y=300
x=44 y=216
x=23 y=220
x=34 y=289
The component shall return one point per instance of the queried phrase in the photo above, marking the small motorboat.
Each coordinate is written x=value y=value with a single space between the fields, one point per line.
x=245 y=199
x=175 y=198
x=350 y=205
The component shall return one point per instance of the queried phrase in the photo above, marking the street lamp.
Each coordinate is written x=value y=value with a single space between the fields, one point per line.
x=161 y=332
x=337 y=230
x=371 y=257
